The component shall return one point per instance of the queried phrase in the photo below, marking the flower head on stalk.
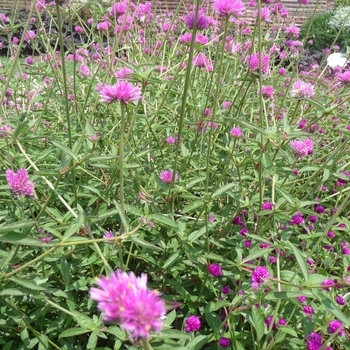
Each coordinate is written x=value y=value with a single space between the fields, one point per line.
x=229 y=7
x=125 y=299
x=121 y=91
x=19 y=182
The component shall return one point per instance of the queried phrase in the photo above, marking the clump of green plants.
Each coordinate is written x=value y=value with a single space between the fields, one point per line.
x=320 y=31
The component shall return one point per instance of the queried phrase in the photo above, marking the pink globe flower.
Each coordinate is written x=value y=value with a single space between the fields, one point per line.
x=253 y=62
x=301 y=90
x=193 y=323
x=167 y=175
x=121 y=91
x=259 y=275
x=334 y=325
x=202 y=21
x=215 y=270
x=19 y=182
x=229 y=7
x=236 y=132
x=124 y=298
x=302 y=148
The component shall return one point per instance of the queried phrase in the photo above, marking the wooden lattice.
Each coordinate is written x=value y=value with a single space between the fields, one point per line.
x=298 y=11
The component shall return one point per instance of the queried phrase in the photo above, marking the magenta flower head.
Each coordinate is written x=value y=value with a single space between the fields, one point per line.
x=333 y=327
x=302 y=148
x=19 y=182
x=301 y=90
x=202 y=21
x=122 y=91
x=236 y=132
x=253 y=62
x=224 y=342
x=215 y=270
x=125 y=299
x=167 y=175
x=229 y=7
x=259 y=275
x=193 y=323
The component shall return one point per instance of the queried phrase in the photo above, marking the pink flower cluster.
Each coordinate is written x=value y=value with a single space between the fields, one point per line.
x=19 y=182
x=121 y=91
x=124 y=298
x=301 y=90
x=229 y=7
x=302 y=148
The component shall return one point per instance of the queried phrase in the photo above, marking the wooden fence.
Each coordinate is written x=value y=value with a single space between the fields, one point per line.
x=298 y=11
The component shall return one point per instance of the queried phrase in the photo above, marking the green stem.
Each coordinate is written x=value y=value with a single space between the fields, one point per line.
x=183 y=103
x=59 y=23
x=146 y=345
x=42 y=256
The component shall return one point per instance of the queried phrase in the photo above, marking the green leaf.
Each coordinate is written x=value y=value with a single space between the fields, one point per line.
x=259 y=323
x=28 y=284
x=20 y=129
x=165 y=220
x=170 y=318
x=326 y=174
x=122 y=216
x=331 y=307
x=12 y=291
x=71 y=332
x=257 y=254
x=223 y=189
x=192 y=206
x=288 y=330
x=17 y=225
x=171 y=260
x=300 y=260
x=213 y=320
x=65 y=271
x=74 y=227
x=20 y=238
x=286 y=295
x=146 y=244
x=65 y=149
x=196 y=234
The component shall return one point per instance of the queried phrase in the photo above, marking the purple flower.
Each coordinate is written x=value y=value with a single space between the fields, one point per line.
x=308 y=310
x=103 y=25
x=319 y=209
x=167 y=175
x=302 y=148
x=215 y=270
x=108 y=234
x=229 y=7
x=282 y=322
x=225 y=290
x=19 y=182
x=236 y=132
x=340 y=300
x=328 y=283
x=124 y=298
x=268 y=323
x=224 y=342
x=259 y=275
x=266 y=206
x=79 y=29
x=297 y=219
x=301 y=90
x=193 y=323
x=47 y=239
x=202 y=21
x=253 y=62
x=121 y=91
x=334 y=325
